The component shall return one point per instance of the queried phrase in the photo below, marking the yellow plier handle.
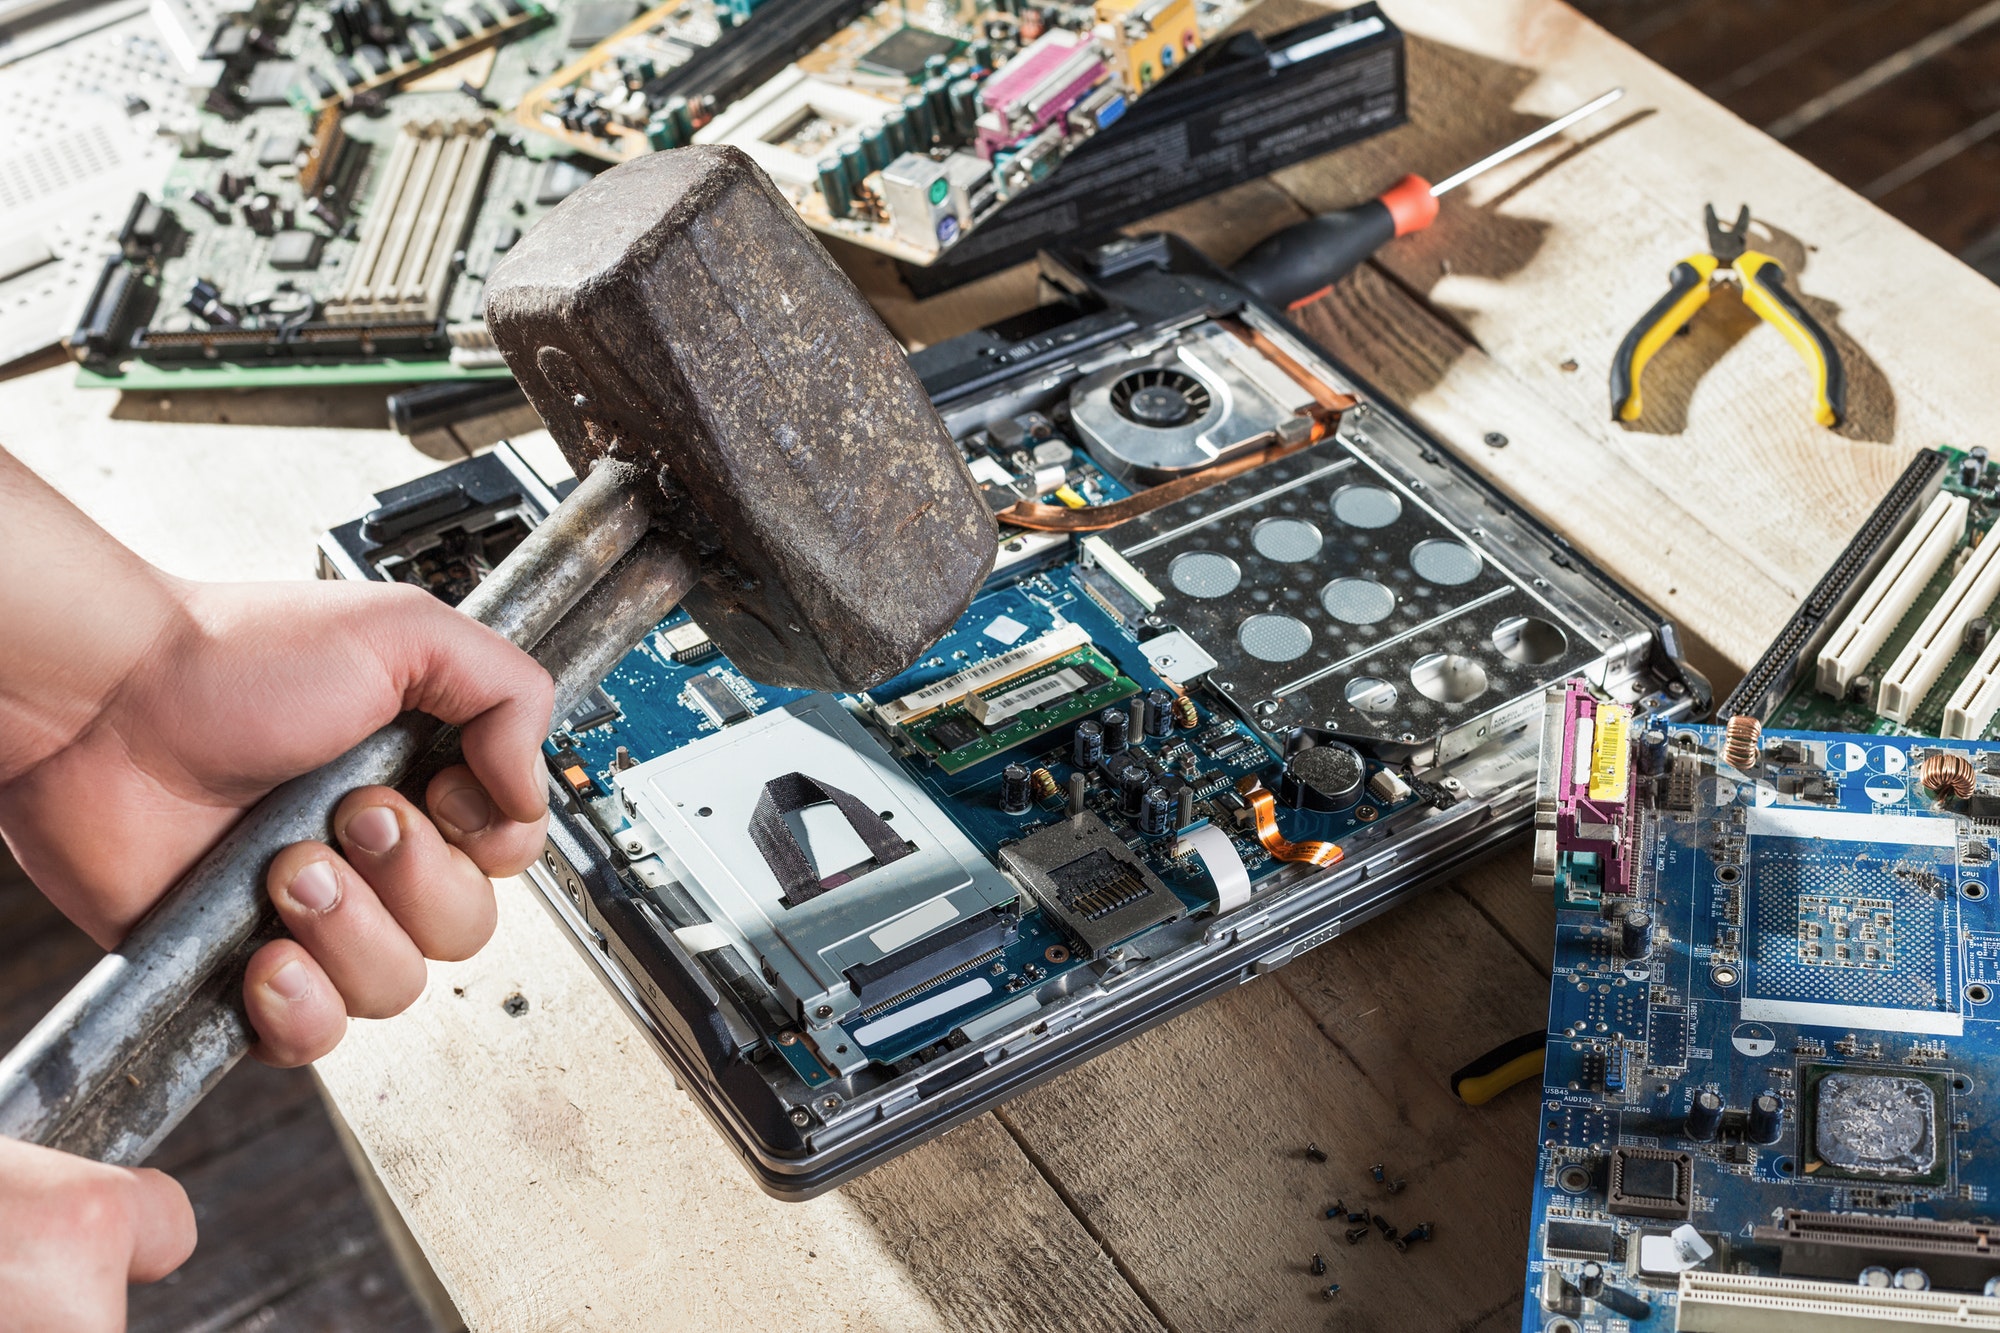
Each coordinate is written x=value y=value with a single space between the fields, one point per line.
x=1499 y=1069
x=1687 y=292
x=1765 y=292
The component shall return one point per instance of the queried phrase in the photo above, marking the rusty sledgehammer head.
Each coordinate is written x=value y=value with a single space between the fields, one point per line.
x=676 y=314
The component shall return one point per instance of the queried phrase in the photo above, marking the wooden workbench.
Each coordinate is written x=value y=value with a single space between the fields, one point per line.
x=557 y=1180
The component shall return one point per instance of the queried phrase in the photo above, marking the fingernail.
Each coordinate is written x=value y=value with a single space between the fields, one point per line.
x=466 y=809
x=315 y=887
x=291 y=981
x=375 y=830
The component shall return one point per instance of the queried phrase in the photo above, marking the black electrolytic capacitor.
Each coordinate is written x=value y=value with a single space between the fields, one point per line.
x=1635 y=935
x=1159 y=712
x=1767 y=1119
x=917 y=123
x=1132 y=782
x=964 y=95
x=1014 y=789
x=1086 y=748
x=1972 y=469
x=1156 y=812
x=1652 y=751
x=1113 y=721
x=1704 y=1115
x=937 y=100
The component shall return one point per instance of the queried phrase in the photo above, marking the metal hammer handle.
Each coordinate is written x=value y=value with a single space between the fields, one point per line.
x=145 y=1035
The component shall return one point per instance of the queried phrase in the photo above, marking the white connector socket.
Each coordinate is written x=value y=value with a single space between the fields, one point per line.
x=1923 y=659
x=1891 y=593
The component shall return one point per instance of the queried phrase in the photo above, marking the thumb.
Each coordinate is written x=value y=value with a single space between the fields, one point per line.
x=162 y=1223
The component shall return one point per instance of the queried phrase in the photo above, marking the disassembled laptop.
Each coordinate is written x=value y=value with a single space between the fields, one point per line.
x=1179 y=739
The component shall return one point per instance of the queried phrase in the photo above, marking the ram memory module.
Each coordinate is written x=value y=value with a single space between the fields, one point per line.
x=983 y=724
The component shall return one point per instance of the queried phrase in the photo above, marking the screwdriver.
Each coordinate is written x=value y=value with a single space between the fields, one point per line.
x=1300 y=264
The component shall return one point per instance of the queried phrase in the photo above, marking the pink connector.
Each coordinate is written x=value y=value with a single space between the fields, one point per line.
x=1585 y=747
x=1036 y=87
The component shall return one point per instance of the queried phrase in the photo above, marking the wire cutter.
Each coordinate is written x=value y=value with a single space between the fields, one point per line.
x=1762 y=281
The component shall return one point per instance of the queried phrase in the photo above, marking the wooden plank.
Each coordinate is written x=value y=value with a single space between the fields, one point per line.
x=555 y=1180
x=278 y=1212
x=1184 y=1147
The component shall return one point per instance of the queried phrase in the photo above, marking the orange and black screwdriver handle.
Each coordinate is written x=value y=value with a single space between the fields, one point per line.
x=1298 y=265
x=1764 y=291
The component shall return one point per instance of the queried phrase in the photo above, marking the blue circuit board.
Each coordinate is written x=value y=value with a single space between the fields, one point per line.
x=1807 y=1028
x=652 y=705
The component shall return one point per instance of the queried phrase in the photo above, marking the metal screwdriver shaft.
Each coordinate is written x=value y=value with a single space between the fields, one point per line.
x=1525 y=142
x=1301 y=263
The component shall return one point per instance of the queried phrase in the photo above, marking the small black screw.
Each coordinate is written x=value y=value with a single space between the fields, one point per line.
x=1314 y=1151
x=1396 y=1186
x=1421 y=1231
x=1496 y=440
x=1332 y=1290
x=515 y=1005
x=1376 y=1171
x=1318 y=1266
x=1355 y=1234
x=1337 y=1209
x=1382 y=1225
x=1361 y=1217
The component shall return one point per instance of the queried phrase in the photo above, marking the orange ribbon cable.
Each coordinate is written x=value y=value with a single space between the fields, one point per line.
x=1264 y=810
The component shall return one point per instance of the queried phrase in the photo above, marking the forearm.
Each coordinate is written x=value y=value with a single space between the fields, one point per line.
x=78 y=612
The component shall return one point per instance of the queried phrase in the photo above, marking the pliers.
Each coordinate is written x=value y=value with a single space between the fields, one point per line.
x=1762 y=281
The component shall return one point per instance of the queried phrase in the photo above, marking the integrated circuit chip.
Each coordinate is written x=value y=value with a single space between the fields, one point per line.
x=1651 y=1182
x=279 y=150
x=1874 y=1125
x=904 y=52
x=594 y=20
x=1579 y=1240
x=712 y=695
x=596 y=709
x=294 y=250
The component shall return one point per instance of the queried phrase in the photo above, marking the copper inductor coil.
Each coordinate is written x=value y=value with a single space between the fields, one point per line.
x=1740 y=739
x=1945 y=775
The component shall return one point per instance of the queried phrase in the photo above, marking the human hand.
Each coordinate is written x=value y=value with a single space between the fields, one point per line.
x=141 y=715
x=74 y=1232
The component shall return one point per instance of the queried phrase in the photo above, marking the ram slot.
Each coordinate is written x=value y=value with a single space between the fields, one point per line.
x=1889 y=597
x=1924 y=658
x=360 y=274
x=428 y=273
x=381 y=295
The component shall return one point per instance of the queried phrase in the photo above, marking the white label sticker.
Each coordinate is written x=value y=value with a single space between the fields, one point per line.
x=1006 y=629
x=964 y=993
x=999 y=709
x=914 y=924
